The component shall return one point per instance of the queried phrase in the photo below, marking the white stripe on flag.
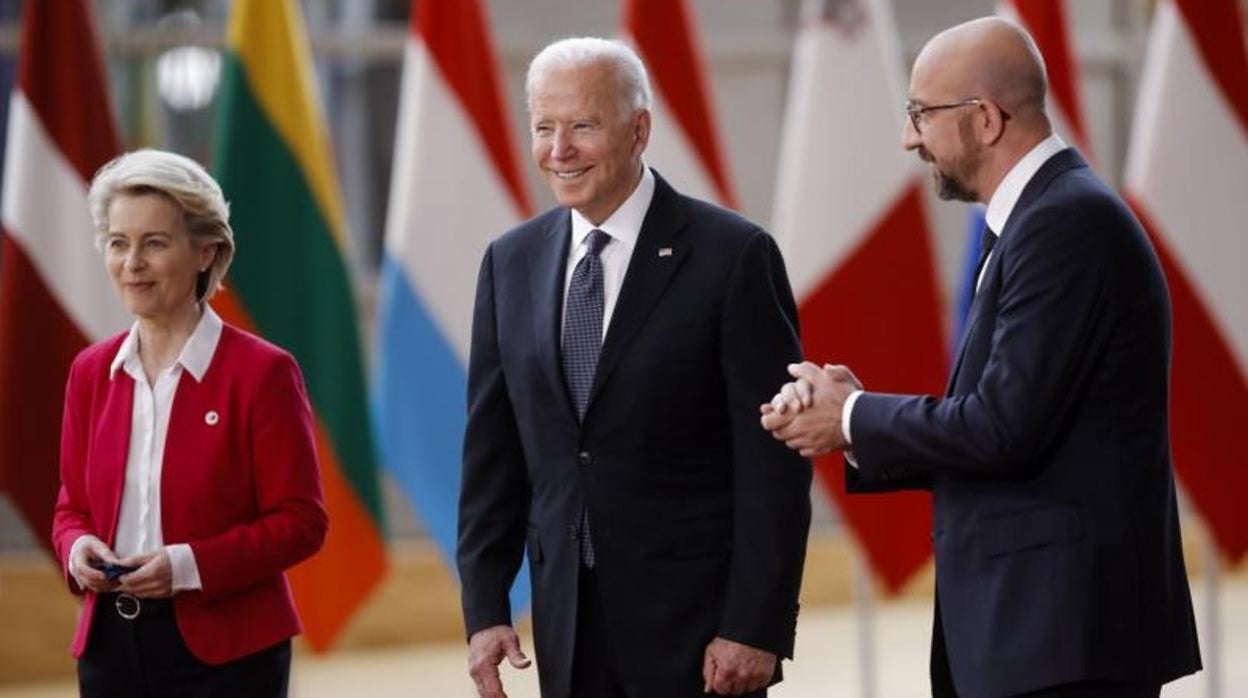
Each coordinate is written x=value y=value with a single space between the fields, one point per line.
x=673 y=156
x=840 y=168
x=45 y=210
x=447 y=200
x=1191 y=180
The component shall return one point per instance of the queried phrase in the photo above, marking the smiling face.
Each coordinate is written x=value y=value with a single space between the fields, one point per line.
x=586 y=142
x=151 y=258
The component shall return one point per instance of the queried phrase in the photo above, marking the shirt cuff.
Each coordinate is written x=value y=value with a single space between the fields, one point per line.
x=185 y=571
x=846 y=415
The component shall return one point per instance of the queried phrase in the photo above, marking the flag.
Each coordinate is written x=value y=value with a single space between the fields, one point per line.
x=850 y=219
x=55 y=297
x=684 y=142
x=1185 y=173
x=290 y=283
x=456 y=184
x=1045 y=20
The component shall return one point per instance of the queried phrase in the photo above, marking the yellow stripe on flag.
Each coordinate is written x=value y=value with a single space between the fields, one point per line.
x=269 y=39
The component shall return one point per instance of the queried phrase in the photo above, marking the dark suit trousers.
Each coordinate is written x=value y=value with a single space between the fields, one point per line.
x=1098 y=689
x=146 y=658
x=942 y=675
x=594 y=674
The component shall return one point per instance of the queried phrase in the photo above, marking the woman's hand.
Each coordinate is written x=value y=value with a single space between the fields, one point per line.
x=152 y=580
x=86 y=551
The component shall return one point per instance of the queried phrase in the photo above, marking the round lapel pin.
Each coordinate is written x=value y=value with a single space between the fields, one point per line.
x=211 y=417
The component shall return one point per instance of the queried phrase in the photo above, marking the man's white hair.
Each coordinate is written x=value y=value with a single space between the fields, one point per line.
x=566 y=54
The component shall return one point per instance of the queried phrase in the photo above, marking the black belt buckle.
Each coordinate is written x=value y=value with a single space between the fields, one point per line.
x=127 y=606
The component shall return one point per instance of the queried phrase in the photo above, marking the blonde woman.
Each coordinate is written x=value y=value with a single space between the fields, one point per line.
x=189 y=479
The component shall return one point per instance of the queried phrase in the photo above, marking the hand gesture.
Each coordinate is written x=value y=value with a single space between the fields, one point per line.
x=152 y=580
x=86 y=551
x=806 y=413
x=731 y=668
x=486 y=649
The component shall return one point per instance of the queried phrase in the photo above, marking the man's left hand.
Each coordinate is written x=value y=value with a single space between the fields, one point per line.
x=152 y=580
x=811 y=423
x=731 y=668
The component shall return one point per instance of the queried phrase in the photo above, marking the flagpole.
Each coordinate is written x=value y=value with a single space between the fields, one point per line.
x=864 y=613
x=1213 y=629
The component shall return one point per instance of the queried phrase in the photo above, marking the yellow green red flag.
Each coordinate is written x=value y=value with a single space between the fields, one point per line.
x=290 y=284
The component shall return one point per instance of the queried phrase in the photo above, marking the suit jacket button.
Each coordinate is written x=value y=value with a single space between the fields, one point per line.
x=584 y=458
x=573 y=533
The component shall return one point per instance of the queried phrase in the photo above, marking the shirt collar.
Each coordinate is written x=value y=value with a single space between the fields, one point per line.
x=1006 y=196
x=196 y=353
x=625 y=223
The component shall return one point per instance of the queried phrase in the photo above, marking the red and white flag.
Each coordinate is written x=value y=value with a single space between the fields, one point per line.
x=684 y=141
x=1046 y=21
x=55 y=297
x=456 y=185
x=851 y=222
x=1185 y=174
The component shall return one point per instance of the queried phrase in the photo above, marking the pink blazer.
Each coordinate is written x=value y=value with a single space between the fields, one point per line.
x=242 y=489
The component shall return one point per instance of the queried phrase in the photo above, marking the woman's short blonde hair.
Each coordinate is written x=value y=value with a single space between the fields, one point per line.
x=205 y=213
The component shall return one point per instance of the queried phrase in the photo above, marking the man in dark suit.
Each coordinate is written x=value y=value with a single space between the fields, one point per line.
x=621 y=343
x=1058 y=561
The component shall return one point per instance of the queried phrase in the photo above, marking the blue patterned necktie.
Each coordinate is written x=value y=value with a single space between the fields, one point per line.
x=582 y=341
x=987 y=241
x=582 y=322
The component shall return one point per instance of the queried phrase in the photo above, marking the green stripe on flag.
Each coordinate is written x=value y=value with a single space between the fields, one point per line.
x=291 y=276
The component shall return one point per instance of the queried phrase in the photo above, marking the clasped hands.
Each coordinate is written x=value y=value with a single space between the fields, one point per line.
x=153 y=578
x=806 y=413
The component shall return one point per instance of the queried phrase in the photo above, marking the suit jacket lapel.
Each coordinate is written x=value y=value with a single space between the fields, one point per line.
x=647 y=276
x=549 y=265
x=1059 y=163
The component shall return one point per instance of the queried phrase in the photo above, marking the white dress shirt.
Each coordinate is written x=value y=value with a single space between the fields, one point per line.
x=623 y=225
x=139 y=519
x=1000 y=206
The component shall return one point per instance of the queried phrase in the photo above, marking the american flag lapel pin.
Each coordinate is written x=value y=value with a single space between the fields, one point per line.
x=665 y=252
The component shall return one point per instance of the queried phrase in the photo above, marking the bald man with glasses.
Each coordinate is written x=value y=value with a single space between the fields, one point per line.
x=1058 y=558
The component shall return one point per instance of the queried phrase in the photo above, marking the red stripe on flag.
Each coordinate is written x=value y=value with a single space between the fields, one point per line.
x=1046 y=21
x=37 y=344
x=60 y=71
x=878 y=312
x=1218 y=29
x=1208 y=407
x=457 y=38
x=669 y=46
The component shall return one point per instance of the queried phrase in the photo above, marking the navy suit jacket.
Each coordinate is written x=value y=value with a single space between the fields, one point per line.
x=1055 y=529
x=699 y=516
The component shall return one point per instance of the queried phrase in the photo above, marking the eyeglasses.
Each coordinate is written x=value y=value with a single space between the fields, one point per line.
x=916 y=112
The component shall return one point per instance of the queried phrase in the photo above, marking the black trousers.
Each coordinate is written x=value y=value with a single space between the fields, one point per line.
x=1098 y=689
x=593 y=673
x=146 y=658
